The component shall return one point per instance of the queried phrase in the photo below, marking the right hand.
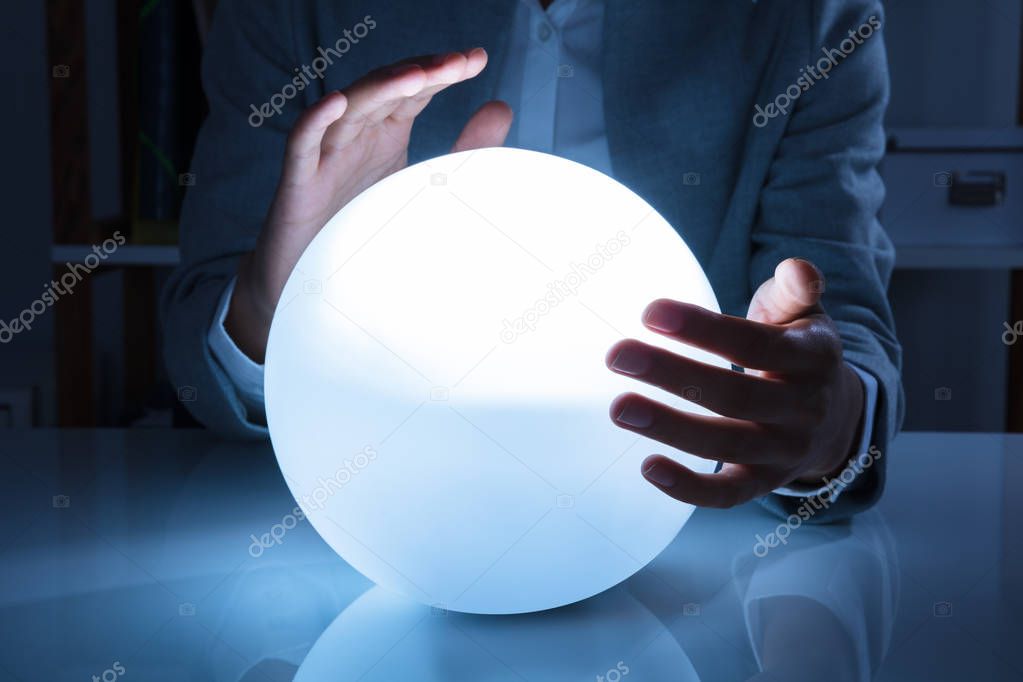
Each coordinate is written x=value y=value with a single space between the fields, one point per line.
x=340 y=146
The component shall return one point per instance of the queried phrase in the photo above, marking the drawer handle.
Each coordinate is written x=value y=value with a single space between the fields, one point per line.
x=976 y=188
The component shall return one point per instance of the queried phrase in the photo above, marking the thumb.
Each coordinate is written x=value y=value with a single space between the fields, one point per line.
x=486 y=128
x=794 y=292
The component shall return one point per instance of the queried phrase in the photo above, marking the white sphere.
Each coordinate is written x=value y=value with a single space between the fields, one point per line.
x=436 y=391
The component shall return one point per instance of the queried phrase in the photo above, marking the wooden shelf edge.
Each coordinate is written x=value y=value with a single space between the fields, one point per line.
x=959 y=257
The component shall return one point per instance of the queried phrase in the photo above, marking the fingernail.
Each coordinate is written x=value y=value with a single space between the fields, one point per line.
x=636 y=415
x=660 y=474
x=663 y=319
x=631 y=361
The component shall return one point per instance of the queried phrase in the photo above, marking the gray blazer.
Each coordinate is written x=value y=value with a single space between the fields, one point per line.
x=681 y=81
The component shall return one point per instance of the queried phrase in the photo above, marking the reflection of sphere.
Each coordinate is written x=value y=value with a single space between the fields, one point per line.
x=382 y=636
x=438 y=399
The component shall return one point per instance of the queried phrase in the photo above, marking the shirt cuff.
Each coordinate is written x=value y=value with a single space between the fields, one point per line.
x=834 y=487
x=245 y=375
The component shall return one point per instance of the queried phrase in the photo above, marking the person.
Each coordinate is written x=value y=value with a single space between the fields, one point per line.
x=754 y=128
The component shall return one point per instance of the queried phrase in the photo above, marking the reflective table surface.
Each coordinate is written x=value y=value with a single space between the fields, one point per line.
x=169 y=555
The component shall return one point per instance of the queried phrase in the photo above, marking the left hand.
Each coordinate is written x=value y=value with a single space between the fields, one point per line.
x=795 y=418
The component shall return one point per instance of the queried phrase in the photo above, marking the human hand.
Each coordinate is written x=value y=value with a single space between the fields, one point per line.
x=795 y=417
x=340 y=146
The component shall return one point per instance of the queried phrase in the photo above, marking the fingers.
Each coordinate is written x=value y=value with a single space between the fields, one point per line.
x=380 y=90
x=302 y=156
x=401 y=90
x=488 y=127
x=794 y=292
x=477 y=57
x=744 y=342
x=727 y=392
x=786 y=332
x=442 y=72
x=731 y=486
x=717 y=438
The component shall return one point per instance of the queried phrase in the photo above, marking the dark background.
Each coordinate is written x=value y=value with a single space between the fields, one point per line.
x=103 y=145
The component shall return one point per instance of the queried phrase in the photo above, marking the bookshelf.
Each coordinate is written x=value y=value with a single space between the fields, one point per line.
x=150 y=84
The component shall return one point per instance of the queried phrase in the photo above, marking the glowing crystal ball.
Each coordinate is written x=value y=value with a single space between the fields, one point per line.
x=436 y=391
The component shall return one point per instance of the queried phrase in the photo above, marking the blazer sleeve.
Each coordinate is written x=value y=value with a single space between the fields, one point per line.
x=249 y=58
x=820 y=202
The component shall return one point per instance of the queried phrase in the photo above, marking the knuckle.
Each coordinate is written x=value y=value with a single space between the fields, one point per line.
x=820 y=342
x=825 y=343
x=795 y=335
x=831 y=350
